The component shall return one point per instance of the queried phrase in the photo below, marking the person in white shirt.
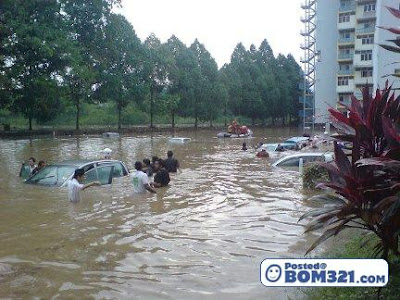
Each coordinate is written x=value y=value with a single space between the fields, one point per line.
x=140 y=180
x=31 y=164
x=107 y=153
x=75 y=185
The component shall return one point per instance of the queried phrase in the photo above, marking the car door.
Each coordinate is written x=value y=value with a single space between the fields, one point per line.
x=119 y=169
x=102 y=173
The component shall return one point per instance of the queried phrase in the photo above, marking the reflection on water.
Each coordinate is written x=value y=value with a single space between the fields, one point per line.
x=206 y=234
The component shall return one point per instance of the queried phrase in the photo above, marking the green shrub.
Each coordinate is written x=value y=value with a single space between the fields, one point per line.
x=313 y=173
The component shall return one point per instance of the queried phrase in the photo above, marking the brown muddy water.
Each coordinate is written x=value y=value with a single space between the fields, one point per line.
x=203 y=236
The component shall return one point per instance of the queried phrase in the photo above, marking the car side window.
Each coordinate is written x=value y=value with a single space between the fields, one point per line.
x=102 y=173
x=88 y=167
x=291 y=162
x=90 y=176
x=119 y=169
x=105 y=174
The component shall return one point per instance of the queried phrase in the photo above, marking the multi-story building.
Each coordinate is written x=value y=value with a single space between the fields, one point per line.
x=349 y=55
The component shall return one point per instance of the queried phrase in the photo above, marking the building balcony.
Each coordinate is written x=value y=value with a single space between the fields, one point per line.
x=346 y=88
x=363 y=81
x=363 y=1
x=367 y=30
x=346 y=102
x=347 y=25
x=345 y=56
x=360 y=46
x=366 y=15
x=349 y=40
x=345 y=72
x=347 y=8
x=362 y=63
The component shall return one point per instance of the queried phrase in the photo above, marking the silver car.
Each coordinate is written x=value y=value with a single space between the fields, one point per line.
x=294 y=159
x=95 y=170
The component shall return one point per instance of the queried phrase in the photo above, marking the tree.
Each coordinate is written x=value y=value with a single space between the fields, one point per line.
x=120 y=75
x=155 y=71
x=206 y=86
x=269 y=87
x=33 y=50
x=182 y=69
x=85 y=22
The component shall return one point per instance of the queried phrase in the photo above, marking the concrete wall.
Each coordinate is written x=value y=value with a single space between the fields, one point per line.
x=326 y=68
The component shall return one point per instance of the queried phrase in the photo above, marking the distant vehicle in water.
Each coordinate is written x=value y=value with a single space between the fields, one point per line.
x=298 y=140
x=276 y=147
x=235 y=131
x=179 y=139
x=110 y=134
x=58 y=174
x=293 y=160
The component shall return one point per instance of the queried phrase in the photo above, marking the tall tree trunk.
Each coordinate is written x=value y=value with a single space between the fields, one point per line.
x=173 y=119
x=253 y=121
x=119 y=117
x=283 y=121
x=226 y=104
x=30 y=123
x=196 y=121
x=78 y=112
x=151 y=109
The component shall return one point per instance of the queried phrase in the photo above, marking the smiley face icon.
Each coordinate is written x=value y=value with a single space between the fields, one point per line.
x=273 y=273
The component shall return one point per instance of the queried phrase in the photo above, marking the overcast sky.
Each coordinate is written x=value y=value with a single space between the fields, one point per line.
x=220 y=24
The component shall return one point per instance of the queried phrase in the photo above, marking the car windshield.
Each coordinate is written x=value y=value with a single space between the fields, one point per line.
x=54 y=175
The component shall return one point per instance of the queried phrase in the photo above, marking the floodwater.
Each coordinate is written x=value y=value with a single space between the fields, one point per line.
x=203 y=236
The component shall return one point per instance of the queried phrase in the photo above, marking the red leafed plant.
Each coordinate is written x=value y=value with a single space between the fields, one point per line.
x=364 y=190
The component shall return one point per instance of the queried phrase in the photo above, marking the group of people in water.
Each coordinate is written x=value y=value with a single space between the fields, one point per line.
x=159 y=167
x=30 y=168
x=144 y=170
x=236 y=128
x=261 y=153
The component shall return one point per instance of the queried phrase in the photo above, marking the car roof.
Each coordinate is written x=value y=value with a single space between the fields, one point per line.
x=82 y=162
x=297 y=139
x=302 y=154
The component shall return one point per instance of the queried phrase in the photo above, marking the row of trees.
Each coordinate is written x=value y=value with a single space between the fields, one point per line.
x=55 y=53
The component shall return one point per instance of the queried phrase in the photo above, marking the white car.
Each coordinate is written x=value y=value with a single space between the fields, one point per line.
x=95 y=170
x=294 y=159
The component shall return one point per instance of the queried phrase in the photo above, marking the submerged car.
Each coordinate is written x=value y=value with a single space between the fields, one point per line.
x=298 y=141
x=294 y=159
x=95 y=170
x=277 y=147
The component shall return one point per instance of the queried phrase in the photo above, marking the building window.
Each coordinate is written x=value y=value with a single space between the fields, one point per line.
x=368 y=39
x=344 y=67
x=344 y=18
x=366 y=55
x=369 y=24
x=344 y=98
x=345 y=35
x=343 y=81
x=366 y=72
x=369 y=7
